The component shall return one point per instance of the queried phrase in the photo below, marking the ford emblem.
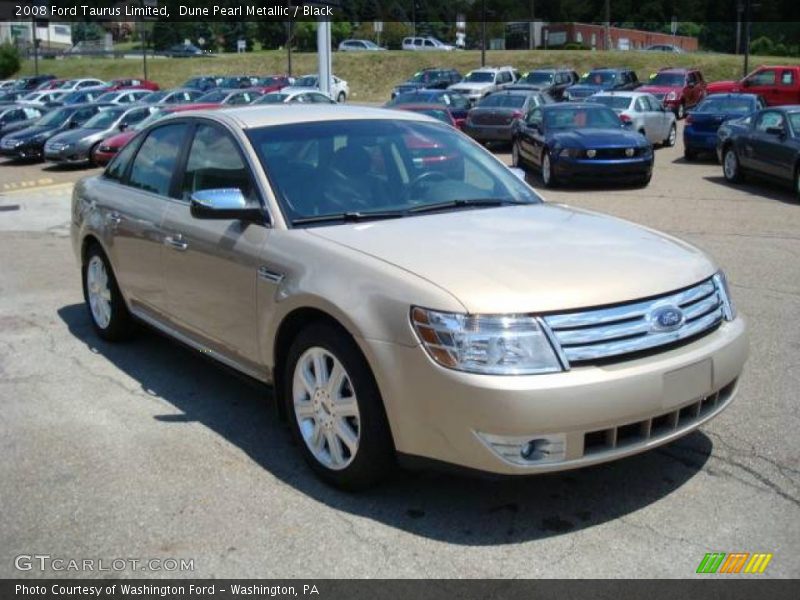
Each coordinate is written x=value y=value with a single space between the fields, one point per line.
x=666 y=318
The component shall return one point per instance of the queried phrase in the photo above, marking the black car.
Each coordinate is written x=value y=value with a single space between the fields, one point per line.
x=553 y=82
x=428 y=79
x=29 y=143
x=13 y=118
x=602 y=80
x=495 y=117
x=766 y=143
x=572 y=141
x=185 y=51
x=28 y=84
x=458 y=104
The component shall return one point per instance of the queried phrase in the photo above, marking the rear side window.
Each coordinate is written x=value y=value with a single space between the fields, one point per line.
x=787 y=78
x=155 y=162
x=116 y=170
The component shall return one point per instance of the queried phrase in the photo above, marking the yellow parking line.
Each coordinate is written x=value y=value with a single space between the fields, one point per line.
x=38 y=188
x=30 y=183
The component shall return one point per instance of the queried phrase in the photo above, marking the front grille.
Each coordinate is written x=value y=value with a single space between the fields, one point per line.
x=617 y=152
x=660 y=426
x=595 y=335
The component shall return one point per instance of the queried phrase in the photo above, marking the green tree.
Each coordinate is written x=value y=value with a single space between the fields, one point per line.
x=82 y=32
x=9 y=61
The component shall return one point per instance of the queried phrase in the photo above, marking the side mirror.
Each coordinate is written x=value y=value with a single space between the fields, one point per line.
x=224 y=203
x=778 y=131
x=518 y=173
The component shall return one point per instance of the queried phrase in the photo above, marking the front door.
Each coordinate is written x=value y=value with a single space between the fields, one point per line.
x=211 y=266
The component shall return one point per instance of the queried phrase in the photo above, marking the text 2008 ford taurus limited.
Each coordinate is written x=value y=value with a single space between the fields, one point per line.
x=406 y=294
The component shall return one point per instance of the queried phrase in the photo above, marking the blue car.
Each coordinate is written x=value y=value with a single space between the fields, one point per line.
x=570 y=142
x=458 y=104
x=602 y=80
x=702 y=123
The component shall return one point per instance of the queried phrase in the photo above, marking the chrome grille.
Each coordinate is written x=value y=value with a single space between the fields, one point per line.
x=598 y=334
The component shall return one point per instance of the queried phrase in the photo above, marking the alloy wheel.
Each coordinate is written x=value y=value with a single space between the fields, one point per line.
x=99 y=292
x=546 y=172
x=326 y=408
x=730 y=165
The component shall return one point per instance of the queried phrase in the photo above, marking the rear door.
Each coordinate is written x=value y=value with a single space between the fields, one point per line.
x=211 y=266
x=771 y=153
x=787 y=87
x=139 y=183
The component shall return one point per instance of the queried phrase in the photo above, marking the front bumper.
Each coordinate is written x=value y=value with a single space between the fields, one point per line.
x=24 y=151
x=70 y=155
x=585 y=168
x=489 y=133
x=598 y=413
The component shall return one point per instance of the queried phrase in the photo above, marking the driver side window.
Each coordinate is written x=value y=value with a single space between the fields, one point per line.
x=534 y=118
x=765 y=77
x=215 y=163
x=768 y=120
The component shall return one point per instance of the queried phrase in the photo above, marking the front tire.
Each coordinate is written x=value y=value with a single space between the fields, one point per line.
x=335 y=409
x=680 y=112
x=107 y=310
x=731 y=167
x=516 y=158
x=341 y=98
x=548 y=179
x=797 y=183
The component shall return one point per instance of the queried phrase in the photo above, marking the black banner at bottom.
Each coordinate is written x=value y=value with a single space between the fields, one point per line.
x=717 y=588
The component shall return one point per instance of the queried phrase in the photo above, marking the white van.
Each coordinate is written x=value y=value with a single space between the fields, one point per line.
x=425 y=43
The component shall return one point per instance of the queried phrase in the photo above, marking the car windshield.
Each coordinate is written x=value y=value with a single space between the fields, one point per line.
x=104 y=119
x=581 y=118
x=54 y=118
x=232 y=82
x=479 y=77
x=212 y=97
x=538 y=78
x=272 y=99
x=268 y=81
x=154 y=98
x=73 y=97
x=599 y=78
x=336 y=170
x=728 y=106
x=109 y=97
x=308 y=81
x=613 y=102
x=668 y=79
x=421 y=77
x=503 y=101
x=439 y=114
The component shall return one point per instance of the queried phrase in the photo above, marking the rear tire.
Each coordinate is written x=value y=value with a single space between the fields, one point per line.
x=341 y=98
x=797 y=183
x=680 y=112
x=731 y=168
x=107 y=310
x=337 y=420
x=671 y=137
x=92 y=160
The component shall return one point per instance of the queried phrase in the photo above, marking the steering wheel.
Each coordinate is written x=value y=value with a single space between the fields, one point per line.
x=427 y=176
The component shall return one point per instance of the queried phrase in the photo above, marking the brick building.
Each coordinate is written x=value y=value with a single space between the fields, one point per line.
x=592 y=35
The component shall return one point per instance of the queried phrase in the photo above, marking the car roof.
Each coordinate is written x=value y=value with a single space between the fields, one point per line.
x=624 y=93
x=569 y=105
x=265 y=115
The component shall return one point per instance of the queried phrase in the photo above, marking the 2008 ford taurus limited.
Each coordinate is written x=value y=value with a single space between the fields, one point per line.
x=406 y=294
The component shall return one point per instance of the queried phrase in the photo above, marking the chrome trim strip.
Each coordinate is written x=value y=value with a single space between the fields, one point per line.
x=554 y=344
x=271 y=276
x=590 y=335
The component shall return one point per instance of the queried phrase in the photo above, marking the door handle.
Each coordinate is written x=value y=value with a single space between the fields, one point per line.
x=176 y=241
x=114 y=219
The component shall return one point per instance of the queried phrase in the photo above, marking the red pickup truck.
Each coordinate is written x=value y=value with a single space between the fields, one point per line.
x=776 y=85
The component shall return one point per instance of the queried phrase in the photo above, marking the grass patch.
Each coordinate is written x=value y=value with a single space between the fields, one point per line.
x=372 y=75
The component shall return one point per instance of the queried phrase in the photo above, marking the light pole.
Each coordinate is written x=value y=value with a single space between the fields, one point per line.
x=746 y=37
x=483 y=33
x=608 y=25
x=289 y=42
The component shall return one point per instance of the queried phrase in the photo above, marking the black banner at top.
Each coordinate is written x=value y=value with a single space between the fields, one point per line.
x=635 y=13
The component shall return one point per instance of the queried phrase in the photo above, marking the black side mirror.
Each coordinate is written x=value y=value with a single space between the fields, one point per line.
x=778 y=131
x=73 y=125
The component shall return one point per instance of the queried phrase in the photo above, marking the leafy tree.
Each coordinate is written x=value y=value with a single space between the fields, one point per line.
x=82 y=32
x=9 y=61
x=762 y=46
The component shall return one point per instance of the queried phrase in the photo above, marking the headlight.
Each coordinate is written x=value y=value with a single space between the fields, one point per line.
x=486 y=344
x=567 y=95
x=728 y=307
x=672 y=96
x=571 y=153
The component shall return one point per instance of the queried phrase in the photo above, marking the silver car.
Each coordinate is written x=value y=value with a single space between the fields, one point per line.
x=406 y=294
x=643 y=113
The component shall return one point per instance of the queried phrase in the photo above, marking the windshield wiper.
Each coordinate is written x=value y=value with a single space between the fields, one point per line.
x=350 y=217
x=466 y=203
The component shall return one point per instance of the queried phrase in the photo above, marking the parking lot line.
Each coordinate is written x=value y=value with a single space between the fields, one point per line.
x=26 y=185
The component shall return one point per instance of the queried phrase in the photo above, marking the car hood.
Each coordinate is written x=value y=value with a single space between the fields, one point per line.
x=30 y=132
x=471 y=86
x=659 y=89
x=722 y=86
x=538 y=258
x=598 y=138
x=76 y=136
x=119 y=140
x=585 y=87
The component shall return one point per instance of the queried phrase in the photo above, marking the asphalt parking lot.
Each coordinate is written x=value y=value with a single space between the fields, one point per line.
x=148 y=450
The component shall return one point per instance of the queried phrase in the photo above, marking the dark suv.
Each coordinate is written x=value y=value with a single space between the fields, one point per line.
x=602 y=80
x=678 y=89
x=429 y=79
x=552 y=82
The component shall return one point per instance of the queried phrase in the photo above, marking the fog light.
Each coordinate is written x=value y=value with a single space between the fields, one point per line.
x=591 y=153
x=528 y=450
x=629 y=152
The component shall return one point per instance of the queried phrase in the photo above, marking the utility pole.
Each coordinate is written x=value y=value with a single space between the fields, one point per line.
x=532 y=27
x=35 y=38
x=746 y=37
x=414 y=18
x=739 y=10
x=289 y=42
x=608 y=25
x=483 y=33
